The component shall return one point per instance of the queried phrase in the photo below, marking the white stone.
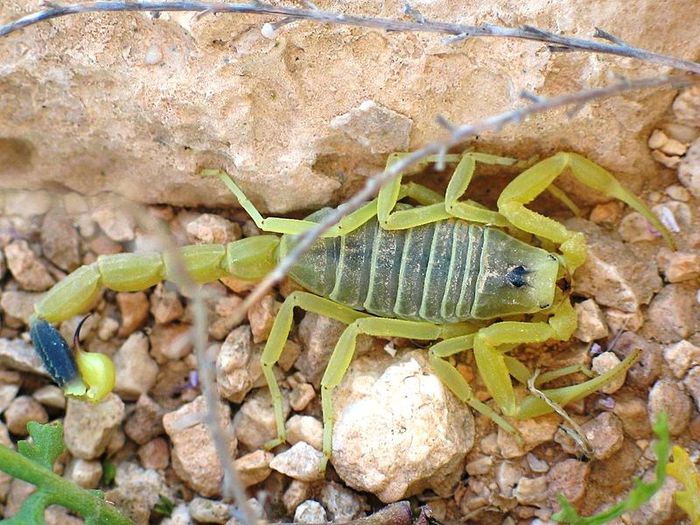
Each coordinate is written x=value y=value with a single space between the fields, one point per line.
x=681 y=356
x=305 y=428
x=136 y=370
x=591 y=322
x=310 y=511
x=302 y=462
x=605 y=362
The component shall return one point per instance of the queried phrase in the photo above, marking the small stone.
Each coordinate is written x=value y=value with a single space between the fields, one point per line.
x=136 y=370
x=223 y=320
x=568 y=478
x=50 y=396
x=133 y=307
x=531 y=491
x=253 y=468
x=19 y=491
x=670 y=314
x=534 y=432
x=301 y=395
x=19 y=305
x=634 y=227
x=17 y=354
x=305 y=428
x=310 y=511
x=57 y=515
x=295 y=494
x=673 y=147
x=116 y=443
x=670 y=161
x=612 y=274
x=608 y=213
x=60 y=242
x=480 y=466
x=632 y=411
x=657 y=139
x=686 y=106
x=145 y=422
x=398 y=430
x=26 y=268
x=681 y=356
x=689 y=169
x=254 y=422
x=261 y=316
x=107 y=328
x=604 y=363
x=171 y=342
x=375 y=127
x=692 y=384
x=21 y=411
x=648 y=368
x=84 y=473
x=342 y=504
x=669 y=397
x=75 y=203
x=7 y=395
x=88 y=427
x=115 y=223
x=660 y=508
x=679 y=266
x=302 y=462
x=238 y=368
x=155 y=454
x=165 y=304
x=209 y=511
x=137 y=491
x=179 y=516
x=27 y=203
x=103 y=245
x=604 y=433
x=212 y=229
x=194 y=456
x=678 y=193
x=257 y=510
x=591 y=323
x=507 y=476
x=618 y=320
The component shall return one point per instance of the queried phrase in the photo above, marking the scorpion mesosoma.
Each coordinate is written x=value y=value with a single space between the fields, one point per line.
x=444 y=271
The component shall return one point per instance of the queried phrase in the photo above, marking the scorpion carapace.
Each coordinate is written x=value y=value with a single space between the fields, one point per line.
x=447 y=270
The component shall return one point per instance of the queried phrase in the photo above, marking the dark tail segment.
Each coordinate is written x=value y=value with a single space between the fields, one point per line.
x=54 y=352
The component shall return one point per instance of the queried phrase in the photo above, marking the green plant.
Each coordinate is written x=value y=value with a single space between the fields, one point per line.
x=684 y=471
x=34 y=463
x=640 y=494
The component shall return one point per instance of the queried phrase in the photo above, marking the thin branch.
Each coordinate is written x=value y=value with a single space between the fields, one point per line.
x=457 y=135
x=612 y=46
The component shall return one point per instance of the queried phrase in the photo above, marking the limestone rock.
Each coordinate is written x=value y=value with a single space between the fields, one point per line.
x=397 y=429
x=89 y=427
x=26 y=267
x=238 y=367
x=21 y=411
x=302 y=462
x=670 y=397
x=136 y=371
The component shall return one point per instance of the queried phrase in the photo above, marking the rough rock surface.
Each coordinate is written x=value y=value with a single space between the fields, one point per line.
x=88 y=428
x=166 y=95
x=421 y=432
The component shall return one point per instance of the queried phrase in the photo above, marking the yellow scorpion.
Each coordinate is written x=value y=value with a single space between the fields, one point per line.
x=445 y=270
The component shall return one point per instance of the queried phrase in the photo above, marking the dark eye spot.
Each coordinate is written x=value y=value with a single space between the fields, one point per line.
x=516 y=276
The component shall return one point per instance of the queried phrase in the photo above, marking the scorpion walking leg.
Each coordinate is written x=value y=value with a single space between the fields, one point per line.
x=536 y=179
x=278 y=337
x=343 y=353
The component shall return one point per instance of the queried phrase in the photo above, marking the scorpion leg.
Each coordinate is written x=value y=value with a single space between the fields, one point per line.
x=343 y=353
x=278 y=337
x=533 y=181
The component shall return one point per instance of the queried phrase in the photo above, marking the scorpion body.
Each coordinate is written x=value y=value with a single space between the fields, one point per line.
x=447 y=270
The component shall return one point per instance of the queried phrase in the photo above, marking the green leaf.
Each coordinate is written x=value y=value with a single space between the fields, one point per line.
x=109 y=472
x=640 y=494
x=165 y=506
x=46 y=445
x=32 y=511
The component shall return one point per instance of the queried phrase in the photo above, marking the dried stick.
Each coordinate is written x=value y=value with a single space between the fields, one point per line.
x=457 y=134
x=611 y=44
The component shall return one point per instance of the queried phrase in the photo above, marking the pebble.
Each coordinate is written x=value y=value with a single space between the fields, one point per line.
x=534 y=432
x=612 y=274
x=607 y=213
x=254 y=468
x=50 y=396
x=257 y=510
x=19 y=305
x=591 y=323
x=261 y=316
x=222 y=318
x=133 y=307
x=145 y=422
x=305 y=428
x=398 y=430
x=26 y=268
x=342 y=504
x=618 y=320
x=648 y=368
x=18 y=492
x=634 y=227
x=633 y=414
x=378 y=129
x=137 y=491
x=604 y=433
x=668 y=396
x=686 y=106
x=480 y=466
x=531 y=491
x=107 y=328
x=238 y=368
x=310 y=511
x=57 y=515
x=295 y=494
x=8 y=393
x=194 y=455
x=254 y=422
x=692 y=384
x=605 y=362
x=27 y=203
x=681 y=356
x=17 y=354
x=88 y=427
x=84 y=473
x=508 y=474
x=179 y=516
x=660 y=508
x=209 y=511
x=678 y=193
x=115 y=223
x=21 y=411
x=679 y=266
x=301 y=395
x=136 y=371
x=171 y=342
x=155 y=454
x=670 y=314
x=212 y=229
x=568 y=478
x=302 y=462
x=165 y=305
x=60 y=242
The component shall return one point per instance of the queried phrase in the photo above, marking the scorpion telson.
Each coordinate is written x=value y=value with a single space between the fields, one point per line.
x=444 y=271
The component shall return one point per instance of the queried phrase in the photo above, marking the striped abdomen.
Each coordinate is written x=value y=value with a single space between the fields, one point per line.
x=444 y=272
